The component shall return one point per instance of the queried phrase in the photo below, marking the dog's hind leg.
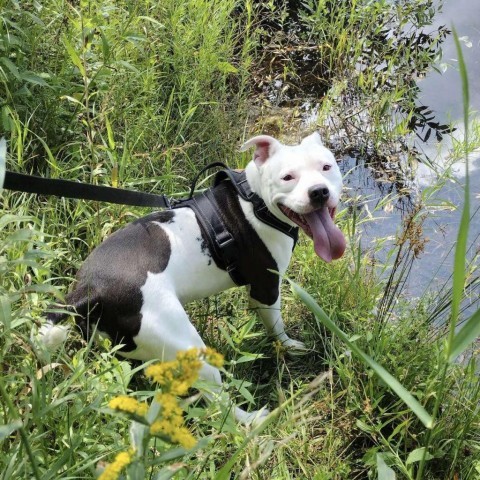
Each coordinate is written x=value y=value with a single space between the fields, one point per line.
x=165 y=330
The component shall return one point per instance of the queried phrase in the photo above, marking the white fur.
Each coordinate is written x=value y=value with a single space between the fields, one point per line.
x=52 y=336
x=305 y=163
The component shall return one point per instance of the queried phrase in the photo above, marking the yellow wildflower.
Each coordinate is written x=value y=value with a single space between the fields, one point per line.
x=162 y=373
x=112 y=471
x=176 y=376
x=169 y=403
x=180 y=387
x=170 y=421
x=183 y=436
x=176 y=433
x=128 y=404
x=162 y=427
x=214 y=358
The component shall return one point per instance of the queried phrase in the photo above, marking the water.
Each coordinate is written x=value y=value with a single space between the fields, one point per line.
x=442 y=93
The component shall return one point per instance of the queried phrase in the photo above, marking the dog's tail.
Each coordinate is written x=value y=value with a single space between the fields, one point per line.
x=52 y=335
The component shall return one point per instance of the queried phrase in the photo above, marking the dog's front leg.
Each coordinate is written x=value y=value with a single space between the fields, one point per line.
x=271 y=317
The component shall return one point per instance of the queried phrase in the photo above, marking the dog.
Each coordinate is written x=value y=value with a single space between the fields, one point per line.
x=134 y=285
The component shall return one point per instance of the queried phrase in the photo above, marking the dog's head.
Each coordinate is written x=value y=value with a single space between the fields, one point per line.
x=301 y=185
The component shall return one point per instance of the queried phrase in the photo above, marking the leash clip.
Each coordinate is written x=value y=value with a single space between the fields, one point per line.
x=168 y=203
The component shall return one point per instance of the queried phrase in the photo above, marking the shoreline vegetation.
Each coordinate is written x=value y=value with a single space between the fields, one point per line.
x=142 y=95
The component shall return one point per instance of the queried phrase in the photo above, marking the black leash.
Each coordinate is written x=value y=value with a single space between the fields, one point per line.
x=20 y=182
x=65 y=188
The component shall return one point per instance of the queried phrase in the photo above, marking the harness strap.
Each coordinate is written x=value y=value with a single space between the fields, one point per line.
x=241 y=185
x=222 y=245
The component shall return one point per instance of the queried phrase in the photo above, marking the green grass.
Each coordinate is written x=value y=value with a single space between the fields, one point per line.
x=142 y=95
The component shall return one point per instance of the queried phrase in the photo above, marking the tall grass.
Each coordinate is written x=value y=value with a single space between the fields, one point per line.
x=140 y=95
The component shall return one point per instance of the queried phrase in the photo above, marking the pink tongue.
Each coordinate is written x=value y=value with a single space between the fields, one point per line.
x=328 y=239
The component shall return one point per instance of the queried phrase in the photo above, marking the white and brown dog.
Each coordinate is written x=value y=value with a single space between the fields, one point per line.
x=134 y=285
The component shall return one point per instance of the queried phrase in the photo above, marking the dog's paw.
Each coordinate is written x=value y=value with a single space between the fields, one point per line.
x=51 y=336
x=294 y=347
x=254 y=418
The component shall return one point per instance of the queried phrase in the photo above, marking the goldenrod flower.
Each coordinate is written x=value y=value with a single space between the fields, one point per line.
x=176 y=433
x=171 y=422
x=214 y=358
x=183 y=436
x=169 y=403
x=177 y=376
x=128 y=404
x=161 y=373
x=112 y=471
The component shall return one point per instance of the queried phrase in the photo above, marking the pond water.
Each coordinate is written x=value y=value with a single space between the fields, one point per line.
x=443 y=94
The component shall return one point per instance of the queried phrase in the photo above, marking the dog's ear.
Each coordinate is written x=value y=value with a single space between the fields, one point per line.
x=313 y=139
x=265 y=147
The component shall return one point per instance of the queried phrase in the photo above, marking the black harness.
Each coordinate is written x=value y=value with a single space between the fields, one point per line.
x=221 y=243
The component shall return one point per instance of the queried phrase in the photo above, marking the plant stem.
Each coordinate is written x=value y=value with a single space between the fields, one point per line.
x=23 y=433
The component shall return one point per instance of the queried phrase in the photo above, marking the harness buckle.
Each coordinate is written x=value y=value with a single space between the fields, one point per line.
x=225 y=240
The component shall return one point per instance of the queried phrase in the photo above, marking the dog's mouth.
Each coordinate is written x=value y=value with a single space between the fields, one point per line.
x=328 y=239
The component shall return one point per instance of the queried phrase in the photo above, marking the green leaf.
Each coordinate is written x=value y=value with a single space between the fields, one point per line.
x=384 y=471
x=136 y=471
x=9 y=428
x=127 y=65
x=111 y=139
x=138 y=434
x=247 y=357
x=389 y=379
x=168 y=472
x=31 y=77
x=11 y=67
x=175 y=453
x=3 y=156
x=5 y=312
x=152 y=20
x=467 y=334
x=105 y=47
x=226 y=67
x=364 y=427
x=456 y=344
x=417 y=456
x=74 y=56
x=462 y=236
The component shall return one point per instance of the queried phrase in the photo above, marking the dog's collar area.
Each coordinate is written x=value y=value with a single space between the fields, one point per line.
x=241 y=185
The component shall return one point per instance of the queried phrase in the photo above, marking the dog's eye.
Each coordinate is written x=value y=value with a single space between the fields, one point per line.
x=326 y=168
x=287 y=178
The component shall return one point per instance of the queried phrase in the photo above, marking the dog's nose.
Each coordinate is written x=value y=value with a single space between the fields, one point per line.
x=318 y=194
